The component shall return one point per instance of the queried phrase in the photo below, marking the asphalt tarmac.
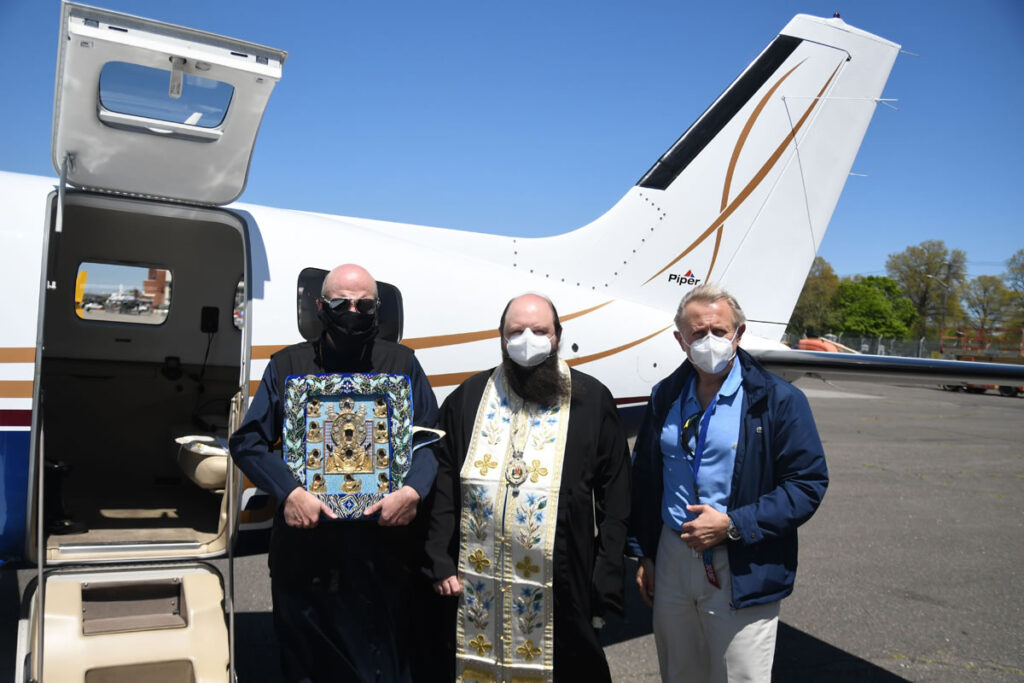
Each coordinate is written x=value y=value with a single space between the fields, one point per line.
x=910 y=570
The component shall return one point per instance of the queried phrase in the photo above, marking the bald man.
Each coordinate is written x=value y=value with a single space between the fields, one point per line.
x=533 y=452
x=341 y=589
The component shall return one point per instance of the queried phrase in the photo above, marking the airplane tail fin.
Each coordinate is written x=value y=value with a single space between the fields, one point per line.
x=744 y=197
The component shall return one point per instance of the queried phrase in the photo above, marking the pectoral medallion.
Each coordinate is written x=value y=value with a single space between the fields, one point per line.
x=516 y=471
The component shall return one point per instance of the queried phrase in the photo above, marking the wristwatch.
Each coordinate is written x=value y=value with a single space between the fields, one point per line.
x=733 y=533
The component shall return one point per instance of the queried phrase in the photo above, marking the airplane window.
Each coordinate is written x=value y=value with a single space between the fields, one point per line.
x=145 y=91
x=112 y=292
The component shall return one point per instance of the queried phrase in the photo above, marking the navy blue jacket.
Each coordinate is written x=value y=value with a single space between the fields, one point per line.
x=778 y=481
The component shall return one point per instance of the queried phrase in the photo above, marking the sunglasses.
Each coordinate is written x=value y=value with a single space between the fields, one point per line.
x=691 y=432
x=365 y=306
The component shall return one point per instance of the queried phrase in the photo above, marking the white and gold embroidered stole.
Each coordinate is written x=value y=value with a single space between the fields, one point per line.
x=506 y=614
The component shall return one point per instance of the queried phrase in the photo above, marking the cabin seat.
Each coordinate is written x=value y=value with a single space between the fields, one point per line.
x=204 y=461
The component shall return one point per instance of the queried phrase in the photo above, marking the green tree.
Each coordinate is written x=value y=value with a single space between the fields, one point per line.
x=988 y=301
x=931 y=276
x=873 y=306
x=1014 y=279
x=813 y=310
x=903 y=312
x=1014 y=275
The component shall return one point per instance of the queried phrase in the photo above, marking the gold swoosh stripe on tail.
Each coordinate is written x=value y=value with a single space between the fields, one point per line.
x=754 y=182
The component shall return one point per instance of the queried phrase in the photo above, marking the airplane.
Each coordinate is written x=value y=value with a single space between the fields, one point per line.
x=112 y=416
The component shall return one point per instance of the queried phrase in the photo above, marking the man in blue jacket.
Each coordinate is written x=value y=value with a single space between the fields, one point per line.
x=727 y=465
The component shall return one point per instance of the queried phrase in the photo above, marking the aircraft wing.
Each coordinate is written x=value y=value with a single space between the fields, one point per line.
x=889 y=369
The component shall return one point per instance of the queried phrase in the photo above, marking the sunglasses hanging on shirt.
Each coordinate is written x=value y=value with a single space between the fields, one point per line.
x=690 y=432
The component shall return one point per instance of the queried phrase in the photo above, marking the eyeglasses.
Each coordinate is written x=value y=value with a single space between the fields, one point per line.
x=365 y=306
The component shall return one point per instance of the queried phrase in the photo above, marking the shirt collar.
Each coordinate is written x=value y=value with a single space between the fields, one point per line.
x=733 y=381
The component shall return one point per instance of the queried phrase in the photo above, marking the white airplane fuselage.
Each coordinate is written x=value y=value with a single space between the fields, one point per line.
x=743 y=199
x=748 y=190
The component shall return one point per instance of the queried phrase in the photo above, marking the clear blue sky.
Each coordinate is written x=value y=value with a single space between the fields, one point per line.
x=532 y=118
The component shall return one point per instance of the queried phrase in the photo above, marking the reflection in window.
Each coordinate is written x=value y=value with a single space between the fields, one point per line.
x=112 y=292
x=238 y=311
x=144 y=91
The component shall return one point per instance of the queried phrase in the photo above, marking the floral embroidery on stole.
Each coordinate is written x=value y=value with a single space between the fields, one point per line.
x=507 y=537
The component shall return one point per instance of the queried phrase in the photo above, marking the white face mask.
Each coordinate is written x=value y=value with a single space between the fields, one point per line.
x=528 y=349
x=710 y=353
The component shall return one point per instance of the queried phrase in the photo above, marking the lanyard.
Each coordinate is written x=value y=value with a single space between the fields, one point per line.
x=702 y=435
x=702 y=430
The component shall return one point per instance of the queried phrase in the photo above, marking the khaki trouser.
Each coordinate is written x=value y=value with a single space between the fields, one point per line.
x=698 y=635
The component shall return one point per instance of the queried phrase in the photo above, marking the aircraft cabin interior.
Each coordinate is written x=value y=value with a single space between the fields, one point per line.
x=142 y=356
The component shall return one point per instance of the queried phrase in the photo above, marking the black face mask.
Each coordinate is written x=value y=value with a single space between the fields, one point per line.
x=347 y=330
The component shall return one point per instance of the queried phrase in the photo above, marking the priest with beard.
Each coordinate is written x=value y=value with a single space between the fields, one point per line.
x=344 y=594
x=528 y=516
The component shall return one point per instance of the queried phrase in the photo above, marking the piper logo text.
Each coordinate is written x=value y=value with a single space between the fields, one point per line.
x=687 y=279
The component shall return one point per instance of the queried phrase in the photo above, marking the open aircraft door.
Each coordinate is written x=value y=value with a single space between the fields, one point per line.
x=142 y=366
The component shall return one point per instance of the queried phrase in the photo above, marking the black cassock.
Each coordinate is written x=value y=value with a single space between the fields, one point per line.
x=348 y=601
x=595 y=477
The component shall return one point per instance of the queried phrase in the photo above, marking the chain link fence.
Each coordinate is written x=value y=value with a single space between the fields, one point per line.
x=881 y=346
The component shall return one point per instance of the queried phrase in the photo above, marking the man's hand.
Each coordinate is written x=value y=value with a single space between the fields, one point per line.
x=302 y=509
x=398 y=508
x=645 y=580
x=449 y=586
x=709 y=529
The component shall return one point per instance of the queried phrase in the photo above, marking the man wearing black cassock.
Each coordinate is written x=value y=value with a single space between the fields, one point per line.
x=529 y=438
x=343 y=591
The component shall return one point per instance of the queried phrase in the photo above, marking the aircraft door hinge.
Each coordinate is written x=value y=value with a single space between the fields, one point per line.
x=177 y=75
x=68 y=166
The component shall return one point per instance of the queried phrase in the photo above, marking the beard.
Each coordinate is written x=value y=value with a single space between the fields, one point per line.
x=542 y=384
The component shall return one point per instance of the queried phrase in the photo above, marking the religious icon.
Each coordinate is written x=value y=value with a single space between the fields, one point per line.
x=351 y=484
x=313 y=434
x=348 y=436
x=348 y=432
x=313 y=461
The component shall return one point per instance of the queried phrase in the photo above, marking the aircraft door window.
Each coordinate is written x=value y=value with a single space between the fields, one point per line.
x=113 y=292
x=165 y=95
